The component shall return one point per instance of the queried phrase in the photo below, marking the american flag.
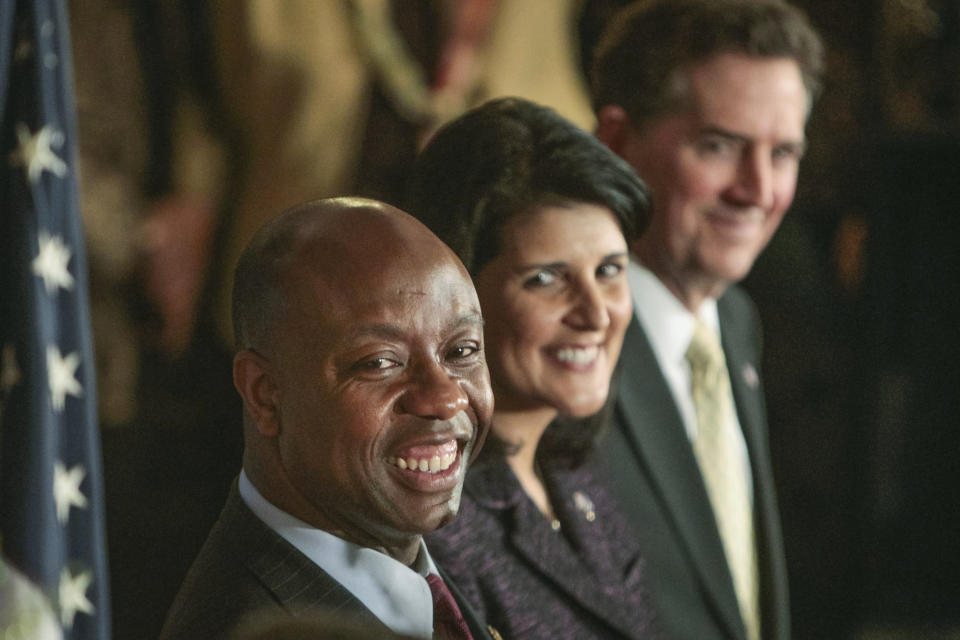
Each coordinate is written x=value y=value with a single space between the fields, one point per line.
x=51 y=482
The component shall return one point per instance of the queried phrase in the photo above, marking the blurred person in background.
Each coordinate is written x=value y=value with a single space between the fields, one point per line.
x=708 y=100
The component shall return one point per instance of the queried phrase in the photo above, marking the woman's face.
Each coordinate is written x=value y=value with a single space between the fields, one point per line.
x=556 y=305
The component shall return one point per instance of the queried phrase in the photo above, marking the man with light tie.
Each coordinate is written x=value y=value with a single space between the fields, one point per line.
x=708 y=101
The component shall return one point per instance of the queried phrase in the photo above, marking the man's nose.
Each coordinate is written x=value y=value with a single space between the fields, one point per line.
x=753 y=185
x=589 y=311
x=433 y=393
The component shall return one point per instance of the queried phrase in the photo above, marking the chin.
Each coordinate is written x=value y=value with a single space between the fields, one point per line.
x=583 y=408
x=731 y=270
x=440 y=515
x=444 y=521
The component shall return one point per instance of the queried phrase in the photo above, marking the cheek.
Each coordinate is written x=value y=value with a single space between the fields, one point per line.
x=520 y=328
x=621 y=310
x=534 y=328
x=480 y=394
x=784 y=190
x=352 y=424
x=697 y=182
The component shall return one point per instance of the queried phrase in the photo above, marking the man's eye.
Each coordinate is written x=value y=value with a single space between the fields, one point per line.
x=714 y=146
x=462 y=351
x=540 y=279
x=788 y=152
x=376 y=364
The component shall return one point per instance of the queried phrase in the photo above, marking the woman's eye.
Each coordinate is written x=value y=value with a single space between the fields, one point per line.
x=540 y=279
x=609 y=270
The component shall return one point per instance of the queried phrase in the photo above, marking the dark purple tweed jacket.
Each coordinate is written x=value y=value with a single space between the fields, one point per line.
x=528 y=580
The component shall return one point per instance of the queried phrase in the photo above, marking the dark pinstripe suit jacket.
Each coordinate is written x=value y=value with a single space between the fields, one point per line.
x=531 y=582
x=245 y=567
x=657 y=481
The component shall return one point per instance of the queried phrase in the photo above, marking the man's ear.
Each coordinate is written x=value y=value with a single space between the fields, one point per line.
x=612 y=125
x=255 y=381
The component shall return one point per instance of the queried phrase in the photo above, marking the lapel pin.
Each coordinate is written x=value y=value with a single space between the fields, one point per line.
x=585 y=505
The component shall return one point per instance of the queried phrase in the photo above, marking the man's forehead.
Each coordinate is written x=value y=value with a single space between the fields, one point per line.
x=746 y=96
x=396 y=330
x=436 y=292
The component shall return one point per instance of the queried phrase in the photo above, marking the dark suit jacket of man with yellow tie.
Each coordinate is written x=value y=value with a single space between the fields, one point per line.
x=708 y=101
x=655 y=476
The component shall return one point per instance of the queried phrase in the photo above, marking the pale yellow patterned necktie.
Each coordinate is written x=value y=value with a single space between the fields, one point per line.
x=716 y=449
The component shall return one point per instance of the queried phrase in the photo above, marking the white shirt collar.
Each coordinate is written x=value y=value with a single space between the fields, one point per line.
x=668 y=324
x=398 y=595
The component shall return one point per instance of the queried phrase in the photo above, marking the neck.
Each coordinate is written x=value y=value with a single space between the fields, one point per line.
x=689 y=289
x=281 y=493
x=524 y=430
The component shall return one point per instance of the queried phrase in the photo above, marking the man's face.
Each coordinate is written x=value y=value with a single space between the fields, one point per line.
x=722 y=171
x=383 y=392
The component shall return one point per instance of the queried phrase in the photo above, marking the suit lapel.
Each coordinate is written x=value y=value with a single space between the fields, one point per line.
x=547 y=551
x=299 y=584
x=296 y=582
x=742 y=352
x=654 y=430
x=607 y=563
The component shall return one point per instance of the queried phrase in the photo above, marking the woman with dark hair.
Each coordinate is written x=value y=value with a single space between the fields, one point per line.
x=541 y=214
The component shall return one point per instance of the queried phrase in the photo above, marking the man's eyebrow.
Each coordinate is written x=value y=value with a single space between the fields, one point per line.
x=378 y=330
x=713 y=130
x=468 y=319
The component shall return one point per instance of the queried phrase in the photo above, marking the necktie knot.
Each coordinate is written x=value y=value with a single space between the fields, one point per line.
x=705 y=354
x=448 y=622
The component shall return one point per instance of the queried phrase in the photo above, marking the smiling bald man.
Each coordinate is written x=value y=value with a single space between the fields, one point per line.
x=366 y=393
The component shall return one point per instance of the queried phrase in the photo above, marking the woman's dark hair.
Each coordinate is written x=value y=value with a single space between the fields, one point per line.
x=510 y=157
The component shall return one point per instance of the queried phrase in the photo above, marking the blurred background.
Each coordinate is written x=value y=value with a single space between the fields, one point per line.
x=199 y=121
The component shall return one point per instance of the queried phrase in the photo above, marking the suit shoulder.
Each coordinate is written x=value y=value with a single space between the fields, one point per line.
x=737 y=303
x=220 y=589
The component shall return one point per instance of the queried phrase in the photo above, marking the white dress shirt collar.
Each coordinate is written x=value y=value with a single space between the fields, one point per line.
x=668 y=323
x=398 y=595
x=669 y=328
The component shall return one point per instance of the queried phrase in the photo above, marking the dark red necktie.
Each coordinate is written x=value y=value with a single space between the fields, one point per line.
x=448 y=622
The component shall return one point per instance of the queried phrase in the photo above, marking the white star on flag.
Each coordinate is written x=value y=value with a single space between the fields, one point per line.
x=73 y=596
x=51 y=262
x=34 y=152
x=60 y=372
x=66 y=490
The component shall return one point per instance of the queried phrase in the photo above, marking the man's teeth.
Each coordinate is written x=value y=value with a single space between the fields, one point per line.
x=577 y=355
x=428 y=465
